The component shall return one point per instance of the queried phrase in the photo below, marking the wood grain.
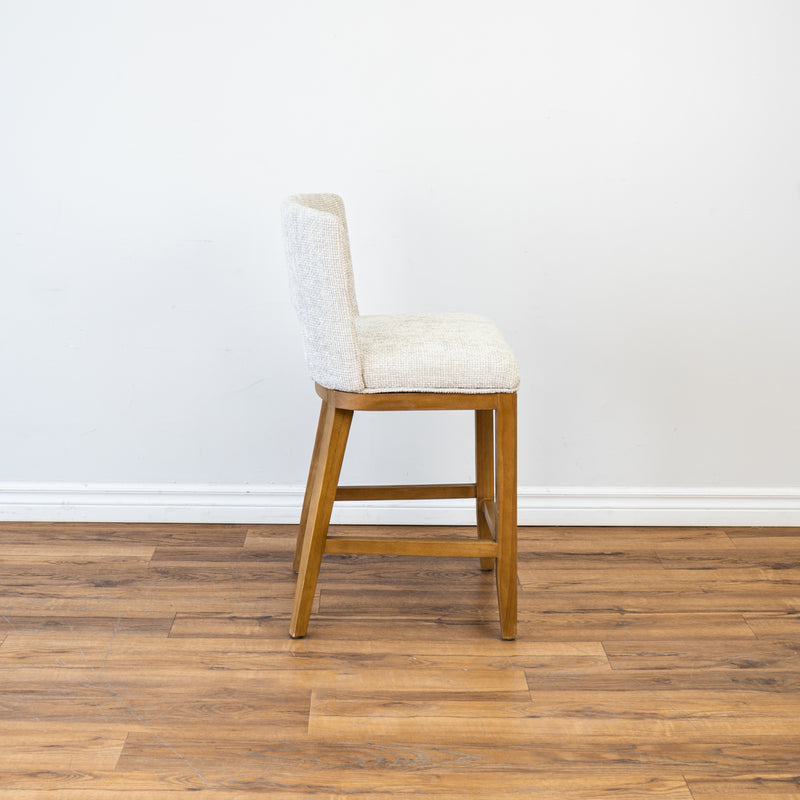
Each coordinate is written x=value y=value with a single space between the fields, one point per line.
x=408 y=546
x=406 y=401
x=428 y=491
x=332 y=440
x=505 y=525
x=143 y=661
x=496 y=506
x=484 y=477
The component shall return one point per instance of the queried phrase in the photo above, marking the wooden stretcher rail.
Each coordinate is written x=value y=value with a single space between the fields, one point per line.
x=439 y=491
x=406 y=401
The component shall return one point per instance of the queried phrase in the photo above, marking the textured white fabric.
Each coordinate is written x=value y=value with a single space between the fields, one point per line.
x=323 y=294
x=435 y=353
x=387 y=353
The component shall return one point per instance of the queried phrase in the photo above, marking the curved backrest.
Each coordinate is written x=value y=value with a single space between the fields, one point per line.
x=323 y=291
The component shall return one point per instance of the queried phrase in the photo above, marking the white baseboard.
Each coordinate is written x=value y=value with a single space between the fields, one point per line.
x=70 y=502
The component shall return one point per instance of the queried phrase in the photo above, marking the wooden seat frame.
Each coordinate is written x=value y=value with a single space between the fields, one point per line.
x=494 y=490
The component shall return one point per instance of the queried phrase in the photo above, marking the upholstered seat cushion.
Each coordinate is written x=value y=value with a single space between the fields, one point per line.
x=434 y=353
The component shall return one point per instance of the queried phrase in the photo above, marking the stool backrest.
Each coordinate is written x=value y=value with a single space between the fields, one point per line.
x=322 y=287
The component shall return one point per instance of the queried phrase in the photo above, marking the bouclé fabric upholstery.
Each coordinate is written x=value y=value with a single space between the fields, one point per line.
x=348 y=352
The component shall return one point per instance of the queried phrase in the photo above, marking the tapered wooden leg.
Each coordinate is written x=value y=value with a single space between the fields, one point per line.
x=335 y=426
x=484 y=473
x=301 y=532
x=506 y=498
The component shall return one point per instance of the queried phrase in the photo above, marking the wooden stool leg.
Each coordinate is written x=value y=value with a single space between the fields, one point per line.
x=484 y=473
x=506 y=469
x=335 y=426
x=312 y=470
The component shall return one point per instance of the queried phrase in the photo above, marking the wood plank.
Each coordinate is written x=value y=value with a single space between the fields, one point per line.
x=59 y=705
x=614 y=626
x=497 y=731
x=632 y=670
x=629 y=539
x=354 y=658
x=403 y=759
x=782 y=624
x=707 y=680
x=194 y=554
x=153 y=584
x=157 y=603
x=346 y=573
x=755 y=532
x=758 y=557
x=398 y=767
x=35 y=553
x=185 y=570
x=592 y=709
x=531 y=558
x=65 y=748
x=81 y=622
x=49 y=650
x=639 y=579
x=121 y=533
x=430 y=679
x=781 y=542
x=752 y=786
x=647 y=591
x=454 y=602
x=82 y=784
x=355 y=784
x=110 y=704
x=703 y=655
x=456 y=548
x=43 y=651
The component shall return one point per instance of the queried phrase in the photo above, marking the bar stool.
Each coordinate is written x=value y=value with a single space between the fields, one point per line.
x=396 y=362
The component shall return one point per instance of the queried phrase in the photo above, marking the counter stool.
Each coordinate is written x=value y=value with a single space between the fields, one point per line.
x=396 y=362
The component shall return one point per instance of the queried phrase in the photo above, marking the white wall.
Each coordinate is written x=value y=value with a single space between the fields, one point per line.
x=617 y=183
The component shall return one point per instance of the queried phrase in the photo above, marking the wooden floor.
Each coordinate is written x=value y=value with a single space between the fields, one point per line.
x=142 y=661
